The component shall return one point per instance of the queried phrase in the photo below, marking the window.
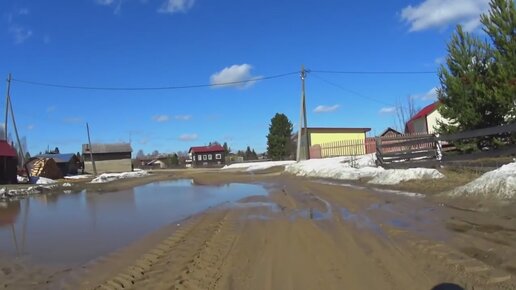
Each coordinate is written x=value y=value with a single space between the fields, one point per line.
x=205 y=157
x=199 y=157
x=218 y=156
x=210 y=156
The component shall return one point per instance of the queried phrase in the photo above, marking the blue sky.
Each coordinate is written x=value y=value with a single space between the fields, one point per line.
x=156 y=43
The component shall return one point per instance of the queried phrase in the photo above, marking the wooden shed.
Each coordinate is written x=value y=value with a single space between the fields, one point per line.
x=68 y=163
x=114 y=157
x=8 y=163
x=44 y=167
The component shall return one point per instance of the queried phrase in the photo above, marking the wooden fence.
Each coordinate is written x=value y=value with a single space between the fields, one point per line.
x=343 y=148
x=426 y=150
x=405 y=148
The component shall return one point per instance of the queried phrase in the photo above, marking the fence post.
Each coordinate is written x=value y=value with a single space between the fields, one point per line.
x=379 y=160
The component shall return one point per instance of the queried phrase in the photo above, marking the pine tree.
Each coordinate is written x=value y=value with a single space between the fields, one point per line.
x=227 y=150
x=278 y=139
x=500 y=25
x=466 y=88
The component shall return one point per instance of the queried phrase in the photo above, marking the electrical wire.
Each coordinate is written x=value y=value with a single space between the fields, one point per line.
x=373 y=72
x=44 y=84
x=348 y=90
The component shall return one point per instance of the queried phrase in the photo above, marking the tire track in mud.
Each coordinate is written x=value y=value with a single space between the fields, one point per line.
x=189 y=259
x=474 y=273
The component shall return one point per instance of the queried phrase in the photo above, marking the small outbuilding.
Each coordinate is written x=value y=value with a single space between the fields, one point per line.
x=390 y=132
x=68 y=163
x=8 y=163
x=114 y=157
x=44 y=167
x=207 y=156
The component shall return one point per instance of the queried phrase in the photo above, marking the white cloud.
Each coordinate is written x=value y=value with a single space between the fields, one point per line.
x=439 y=60
x=183 y=117
x=388 y=110
x=73 y=120
x=19 y=33
x=188 y=137
x=105 y=2
x=233 y=74
x=160 y=118
x=440 y=13
x=326 y=109
x=30 y=127
x=430 y=95
x=23 y=11
x=176 y=6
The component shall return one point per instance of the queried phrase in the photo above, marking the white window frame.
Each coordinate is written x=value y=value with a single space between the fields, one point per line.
x=218 y=156
x=210 y=156
x=199 y=157
x=204 y=157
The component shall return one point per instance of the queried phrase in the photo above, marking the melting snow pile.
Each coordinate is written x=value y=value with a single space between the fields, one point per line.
x=355 y=168
x=337 y=168
x=41 y=180
x=499 y=183
x=107 y=177
x=395 y=176
x=81 y=176
x=254 y=166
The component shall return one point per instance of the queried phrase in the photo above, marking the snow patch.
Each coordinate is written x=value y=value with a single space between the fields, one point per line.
x=346 y=168
x=358 y=167
x=67 y=184
x=108 y=177
x=499 y=184
x=81 y=176
x=41 y=180
x=395 y=176
x=254 y=166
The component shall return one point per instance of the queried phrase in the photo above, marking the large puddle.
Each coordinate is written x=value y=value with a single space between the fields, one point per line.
x=68 y=229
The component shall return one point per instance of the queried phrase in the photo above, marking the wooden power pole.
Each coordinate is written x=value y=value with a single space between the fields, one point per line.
x=7 y=105
x=302 y=120
x=91 y=151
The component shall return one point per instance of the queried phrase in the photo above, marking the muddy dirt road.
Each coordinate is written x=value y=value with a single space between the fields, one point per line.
x=310 y=235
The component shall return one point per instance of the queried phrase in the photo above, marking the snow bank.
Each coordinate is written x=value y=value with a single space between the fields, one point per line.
x=254 y=166
x=395 y=176
x=81 y=176
x=337 y=168
x=499 y=184
x=108 y=177
x=66 y=184
x=355 y=168
x=41 y=180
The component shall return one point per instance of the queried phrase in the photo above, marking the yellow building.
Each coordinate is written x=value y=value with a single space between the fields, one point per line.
x=337 y=141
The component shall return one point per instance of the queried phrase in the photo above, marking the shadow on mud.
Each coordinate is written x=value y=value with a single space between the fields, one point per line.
x=447 y=286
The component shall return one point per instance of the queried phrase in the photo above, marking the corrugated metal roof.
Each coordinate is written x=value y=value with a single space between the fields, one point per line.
x=58 y=158
x=7 y=150
x=107 y=148
x=206 y=149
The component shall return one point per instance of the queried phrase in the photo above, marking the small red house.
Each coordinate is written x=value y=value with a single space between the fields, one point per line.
x=207 y=156
x=8 y=163
x=425 y=121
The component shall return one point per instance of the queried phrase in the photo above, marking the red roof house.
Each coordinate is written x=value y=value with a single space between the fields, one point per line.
x=8 y=163
x=425 y=121
x=207 y=156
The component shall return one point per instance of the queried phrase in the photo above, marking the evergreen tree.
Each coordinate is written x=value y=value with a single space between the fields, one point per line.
x=500 y=25
x=478 y=87
x=248 y=153
x=227 y=150
x=254 y=155
x=278 y=139
x=27 y=156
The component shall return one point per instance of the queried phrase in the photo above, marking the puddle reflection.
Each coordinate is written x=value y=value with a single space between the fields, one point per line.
x=74 y=228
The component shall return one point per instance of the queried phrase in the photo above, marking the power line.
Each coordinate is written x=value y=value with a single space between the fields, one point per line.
x=44 y=84
x=349 y=91
x=373 y=72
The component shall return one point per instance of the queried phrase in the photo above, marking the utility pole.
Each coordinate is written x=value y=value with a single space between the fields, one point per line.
x=302 y=119
x=7 y=105
x=91 y=151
